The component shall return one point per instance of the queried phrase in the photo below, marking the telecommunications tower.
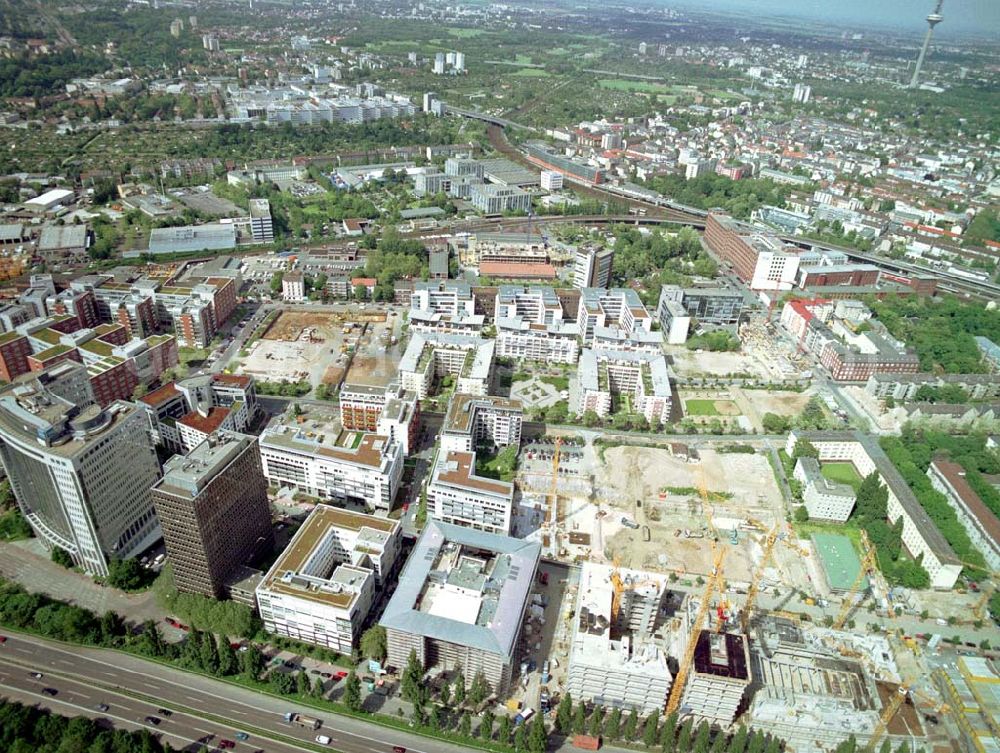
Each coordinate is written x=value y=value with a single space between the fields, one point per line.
x=932 y=20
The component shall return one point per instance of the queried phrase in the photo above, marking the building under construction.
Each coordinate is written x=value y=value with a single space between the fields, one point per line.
x=618 y=654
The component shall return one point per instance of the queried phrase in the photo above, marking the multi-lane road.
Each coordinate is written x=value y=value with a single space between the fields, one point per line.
x=204 y=710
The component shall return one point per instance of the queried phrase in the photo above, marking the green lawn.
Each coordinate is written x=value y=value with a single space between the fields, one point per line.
x=464 y=33
x=532 y=73
x=700 y=408
x=842 y=472
x=521 y=59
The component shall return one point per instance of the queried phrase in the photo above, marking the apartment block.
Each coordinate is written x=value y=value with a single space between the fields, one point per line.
x=430 y=356
x=293 y=287
x=473 y=421
x=824 y=499
x=644 y=377
x=461 y=601
x=14 y=352
x=592 y=267
x=444 y=306
x=361 y=405
x=903 y=387
x=213 y=508
x=261 y=225
x=615 y=660
x=615 y=319
x=311 y=460
x=921 y=536
x=322 y=587
x=976 y=518
x=457 y=495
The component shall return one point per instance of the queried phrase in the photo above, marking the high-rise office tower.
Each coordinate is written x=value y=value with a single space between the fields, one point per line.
x=212 y=504
x=81 y=476
x=592 y=268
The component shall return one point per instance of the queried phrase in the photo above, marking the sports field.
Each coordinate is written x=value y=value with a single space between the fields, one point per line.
x=701 y=408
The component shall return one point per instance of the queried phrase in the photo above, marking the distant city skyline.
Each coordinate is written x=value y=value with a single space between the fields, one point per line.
x=960 y=16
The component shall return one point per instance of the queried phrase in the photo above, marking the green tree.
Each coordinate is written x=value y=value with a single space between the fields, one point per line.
x=61 y=557
x=411 y=685
x=519 y=738
x=702 y=738
x=251 y=662
x=738 y=742
x=465 y=724
x=613 y=724
x=631 y=727
x=801 y=514
x=228 y=663
x=805 y=449
x=318 y=688
x=276 y=283
x=434 y=717
x=458 y=690
x=486 y=725
x=579 y=719
x=650 y=730
x=596 y=722
x=480 y=689
x=302 y=686
x=775 y=424
x=374 y=644
x=503 y=730
x=208 y=654
x=445 y=694
x=537 y=738
x=684 y=736
x=352 y=692
x=564 y=714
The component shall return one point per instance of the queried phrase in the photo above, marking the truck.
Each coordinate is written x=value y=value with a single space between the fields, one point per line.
x=586 y=742
x=523 y=716
x=293 y=717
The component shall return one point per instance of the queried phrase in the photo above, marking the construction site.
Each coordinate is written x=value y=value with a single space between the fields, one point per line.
x=323 y=347
x=684 y=566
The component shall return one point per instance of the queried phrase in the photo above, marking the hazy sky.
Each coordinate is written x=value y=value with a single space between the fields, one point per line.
x=977 y=16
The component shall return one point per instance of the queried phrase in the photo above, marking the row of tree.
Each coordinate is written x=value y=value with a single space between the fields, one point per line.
x=29 y=729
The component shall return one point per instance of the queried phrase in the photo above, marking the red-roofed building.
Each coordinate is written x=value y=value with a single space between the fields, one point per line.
x=796 y=314
x=368 y=283
x=515 y=271
x=196 y=426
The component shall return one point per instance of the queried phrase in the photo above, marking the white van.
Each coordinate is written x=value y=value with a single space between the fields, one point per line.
x=323 y=739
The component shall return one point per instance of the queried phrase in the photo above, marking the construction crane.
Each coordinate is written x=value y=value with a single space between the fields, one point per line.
x=619 y=588
x=554 y=491
x=887 y=715
x=869 y=565
x=713 y=584
x=754 y=589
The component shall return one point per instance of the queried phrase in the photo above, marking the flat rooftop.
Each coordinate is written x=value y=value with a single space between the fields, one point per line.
x=186 y=476
x=465 y=587
x=318 y=436
x=462 y=410
x=458 y=469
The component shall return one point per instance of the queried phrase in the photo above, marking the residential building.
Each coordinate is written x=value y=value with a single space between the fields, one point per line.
x=444 y=306
x=921 y=536
x=473 y=421
x=261 y=225
x=456 y=494
x=430 y=356
x=322 y=587
x=461 y=601
x=310 y=459
x=644 y=377
x=615 y=660
x=293 y=287
x=400 y=418
x=65 y=465
x=904 y=387
x=14 y=352
x=616 y=320
x=592 y=267
x=519 y=338
x=824 y=499
x=674 y=321
x=361 y=405
x=213 y=508
x=976 y=518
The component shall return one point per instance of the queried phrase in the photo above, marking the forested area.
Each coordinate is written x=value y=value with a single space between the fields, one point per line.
x=659 y=258
x=942 y=332
x=737 y=197
x=46 y=75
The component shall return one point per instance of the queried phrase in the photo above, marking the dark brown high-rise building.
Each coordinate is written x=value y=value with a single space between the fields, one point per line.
x=212 y=505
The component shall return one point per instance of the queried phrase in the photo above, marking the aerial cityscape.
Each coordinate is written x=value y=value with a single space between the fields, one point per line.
x=385 y=376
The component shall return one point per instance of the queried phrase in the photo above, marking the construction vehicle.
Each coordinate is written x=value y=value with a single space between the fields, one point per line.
x=713 y=585
x=869 y=566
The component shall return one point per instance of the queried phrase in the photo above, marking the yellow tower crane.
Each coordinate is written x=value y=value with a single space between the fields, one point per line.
x=869 y=565
x=769 y=542
x=713 y=584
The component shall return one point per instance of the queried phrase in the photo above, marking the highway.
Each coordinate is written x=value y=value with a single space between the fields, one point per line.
x=135 y=688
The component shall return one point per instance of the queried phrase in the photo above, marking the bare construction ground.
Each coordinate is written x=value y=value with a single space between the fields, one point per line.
x=299 y=346
x=690 y=363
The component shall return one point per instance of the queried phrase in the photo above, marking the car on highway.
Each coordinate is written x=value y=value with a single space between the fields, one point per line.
x=323 y=739
x=102 y=707
x=241 y=736
x=37 y=675
x=50 y=691
x=154 y=720
x=398 y=749
x=164 y=712
x=3 y=639
x=227 y=744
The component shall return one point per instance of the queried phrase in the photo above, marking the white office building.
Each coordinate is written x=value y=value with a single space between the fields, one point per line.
x=592 y=267
x=615 y=319
x=322 y=586
x=65 y=466
x=261 y=225
x=293 y=287
x=824 y=499
x=552 y=180
x=312 y=461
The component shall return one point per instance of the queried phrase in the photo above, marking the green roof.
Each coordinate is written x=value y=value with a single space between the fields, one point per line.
x=7 y=337
x=52 y=352
x=841 y=563
x=99 y=347
x=47 y=335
